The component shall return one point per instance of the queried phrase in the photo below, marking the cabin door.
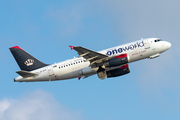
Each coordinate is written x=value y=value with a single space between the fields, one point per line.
x=146 y=44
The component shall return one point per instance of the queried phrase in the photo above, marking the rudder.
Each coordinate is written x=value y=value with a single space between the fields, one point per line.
x=26 y=61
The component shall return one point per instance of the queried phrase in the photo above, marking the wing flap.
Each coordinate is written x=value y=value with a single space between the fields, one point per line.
x=90 y=55
x=25 y=74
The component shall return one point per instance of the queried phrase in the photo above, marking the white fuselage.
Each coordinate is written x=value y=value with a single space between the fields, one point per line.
x=78 y=67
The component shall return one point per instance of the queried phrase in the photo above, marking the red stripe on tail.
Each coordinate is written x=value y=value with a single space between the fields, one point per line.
x=16 y=47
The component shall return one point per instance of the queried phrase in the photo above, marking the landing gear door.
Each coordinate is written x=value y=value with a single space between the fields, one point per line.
x=50 y=71
x=146 y=44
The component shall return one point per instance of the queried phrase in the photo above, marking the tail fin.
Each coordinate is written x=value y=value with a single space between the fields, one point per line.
x=26 y=61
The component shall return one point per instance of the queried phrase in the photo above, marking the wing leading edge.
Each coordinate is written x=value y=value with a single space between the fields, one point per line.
x=89 y=55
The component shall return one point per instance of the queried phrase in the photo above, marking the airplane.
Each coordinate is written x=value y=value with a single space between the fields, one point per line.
x=112 y=62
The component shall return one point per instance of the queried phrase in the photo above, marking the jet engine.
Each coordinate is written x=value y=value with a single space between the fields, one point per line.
x=117 y=61
x=119 y=71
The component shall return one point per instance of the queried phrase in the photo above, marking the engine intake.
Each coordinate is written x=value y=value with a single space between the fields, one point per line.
x=119 y=71
x=117 y=61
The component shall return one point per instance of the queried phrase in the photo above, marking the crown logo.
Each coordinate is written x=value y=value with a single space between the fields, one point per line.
x=29 y=62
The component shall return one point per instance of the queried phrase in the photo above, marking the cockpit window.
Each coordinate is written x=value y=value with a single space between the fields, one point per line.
x=157 y=40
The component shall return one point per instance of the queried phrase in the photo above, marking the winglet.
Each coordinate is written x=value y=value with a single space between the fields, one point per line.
x=79 y=78
x=72 y=47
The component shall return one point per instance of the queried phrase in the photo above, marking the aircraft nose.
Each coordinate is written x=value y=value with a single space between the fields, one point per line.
x=168 y=44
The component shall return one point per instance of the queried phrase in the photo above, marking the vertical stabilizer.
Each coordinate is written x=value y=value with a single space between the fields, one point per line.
x=26 y=61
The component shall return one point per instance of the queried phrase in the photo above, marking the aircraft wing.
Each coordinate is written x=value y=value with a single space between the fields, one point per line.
x=89 y=55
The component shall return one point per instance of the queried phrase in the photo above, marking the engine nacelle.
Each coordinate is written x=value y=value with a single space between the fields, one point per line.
x=119 y=71
x=117 y=61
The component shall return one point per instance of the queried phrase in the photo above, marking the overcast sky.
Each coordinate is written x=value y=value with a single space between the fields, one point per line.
x=45 y=29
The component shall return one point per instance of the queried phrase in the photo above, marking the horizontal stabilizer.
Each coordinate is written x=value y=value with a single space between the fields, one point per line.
x=25 y=74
